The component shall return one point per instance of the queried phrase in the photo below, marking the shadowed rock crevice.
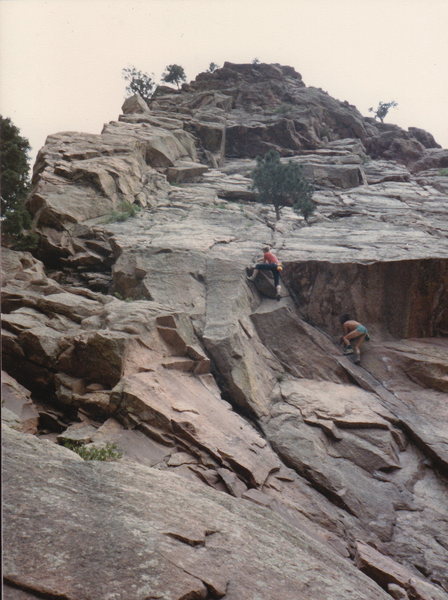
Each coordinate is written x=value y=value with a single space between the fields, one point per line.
x=14 y=590
x=401 y=299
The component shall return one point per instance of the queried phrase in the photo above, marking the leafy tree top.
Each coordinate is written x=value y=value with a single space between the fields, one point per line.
x=212 y=67
x=14 y=165
x=138 y=82
x=382 y=109
x=174 y=74
x=14 y=184
x=282 y=184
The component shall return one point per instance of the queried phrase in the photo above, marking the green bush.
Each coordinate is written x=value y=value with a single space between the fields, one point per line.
x=26 y=241
x=127 y=210
x=282 y=185
x=120 y=297
x=443 y=172
x=108 y=452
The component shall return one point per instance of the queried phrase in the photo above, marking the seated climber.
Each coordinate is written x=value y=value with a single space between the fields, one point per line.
x=354 y=335
x=270 y=263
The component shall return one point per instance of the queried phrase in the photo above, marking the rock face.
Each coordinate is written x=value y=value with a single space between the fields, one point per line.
x=215 y=546
x=257 y=460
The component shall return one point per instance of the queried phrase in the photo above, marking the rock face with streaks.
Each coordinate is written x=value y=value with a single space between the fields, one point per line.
x=257 y=460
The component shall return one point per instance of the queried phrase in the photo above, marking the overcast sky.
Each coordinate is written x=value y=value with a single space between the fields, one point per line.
x=61 y=60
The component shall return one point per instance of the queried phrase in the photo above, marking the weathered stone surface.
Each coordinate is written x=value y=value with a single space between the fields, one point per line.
x=80 y=177
x=134 y=104
x=178 y=404
x=422 y=314
x=146 y=332
x=184 y=171
x=419 y=383
x=13 y=593
x=272 y=108
x=216 y=544
x=229 y=186
x=379 y=171
x=162 y=147
x=433 y=178
x=424 y=137
x=78 y=433
x=299 y=430
x=431 y=159
x=395 y=144
x=386 y=571
x=17 y=407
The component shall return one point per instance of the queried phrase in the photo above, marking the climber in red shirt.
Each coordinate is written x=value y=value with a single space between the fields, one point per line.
x=270 y=263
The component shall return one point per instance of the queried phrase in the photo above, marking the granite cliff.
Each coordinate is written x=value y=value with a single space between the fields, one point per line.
x=258 y=461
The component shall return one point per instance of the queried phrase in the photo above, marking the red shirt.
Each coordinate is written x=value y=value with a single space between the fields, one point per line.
x=270 y=258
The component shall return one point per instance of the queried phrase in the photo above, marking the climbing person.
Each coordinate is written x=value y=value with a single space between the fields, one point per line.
x=354 y=335
x=270 y=263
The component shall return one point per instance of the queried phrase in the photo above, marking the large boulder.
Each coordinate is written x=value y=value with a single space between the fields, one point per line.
x=424 y=137
x=134 y=104
x=393 y=143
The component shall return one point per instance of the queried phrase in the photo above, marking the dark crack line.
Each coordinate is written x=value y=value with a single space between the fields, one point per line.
x=12 y=582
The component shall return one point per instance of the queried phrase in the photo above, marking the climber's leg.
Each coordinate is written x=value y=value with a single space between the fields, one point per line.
x=355 y=342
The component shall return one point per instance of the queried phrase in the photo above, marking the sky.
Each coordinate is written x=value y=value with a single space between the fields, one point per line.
x=61 y=61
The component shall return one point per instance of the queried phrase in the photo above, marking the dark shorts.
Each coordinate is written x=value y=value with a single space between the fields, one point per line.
x=270 y=267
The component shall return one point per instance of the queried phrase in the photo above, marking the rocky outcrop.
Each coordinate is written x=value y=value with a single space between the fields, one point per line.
x=424 y=137
x=134 y=325
x=215 y=546
x=431 y=159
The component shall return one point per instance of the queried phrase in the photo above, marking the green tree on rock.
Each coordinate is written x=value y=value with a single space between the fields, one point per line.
x=212 y=67
x=14 y=179
x=282 y=184
x=138 y=83
x=382 y=109
x=174 y=74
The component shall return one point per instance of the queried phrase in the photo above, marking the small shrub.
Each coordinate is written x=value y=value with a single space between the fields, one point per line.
x=127 y=210
x=26 y=241
x=221 y=205
x=443 y=172
x=382 y=109
x=120 y=297
x=117 y=217
x=282 y=109
x=107 y=453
